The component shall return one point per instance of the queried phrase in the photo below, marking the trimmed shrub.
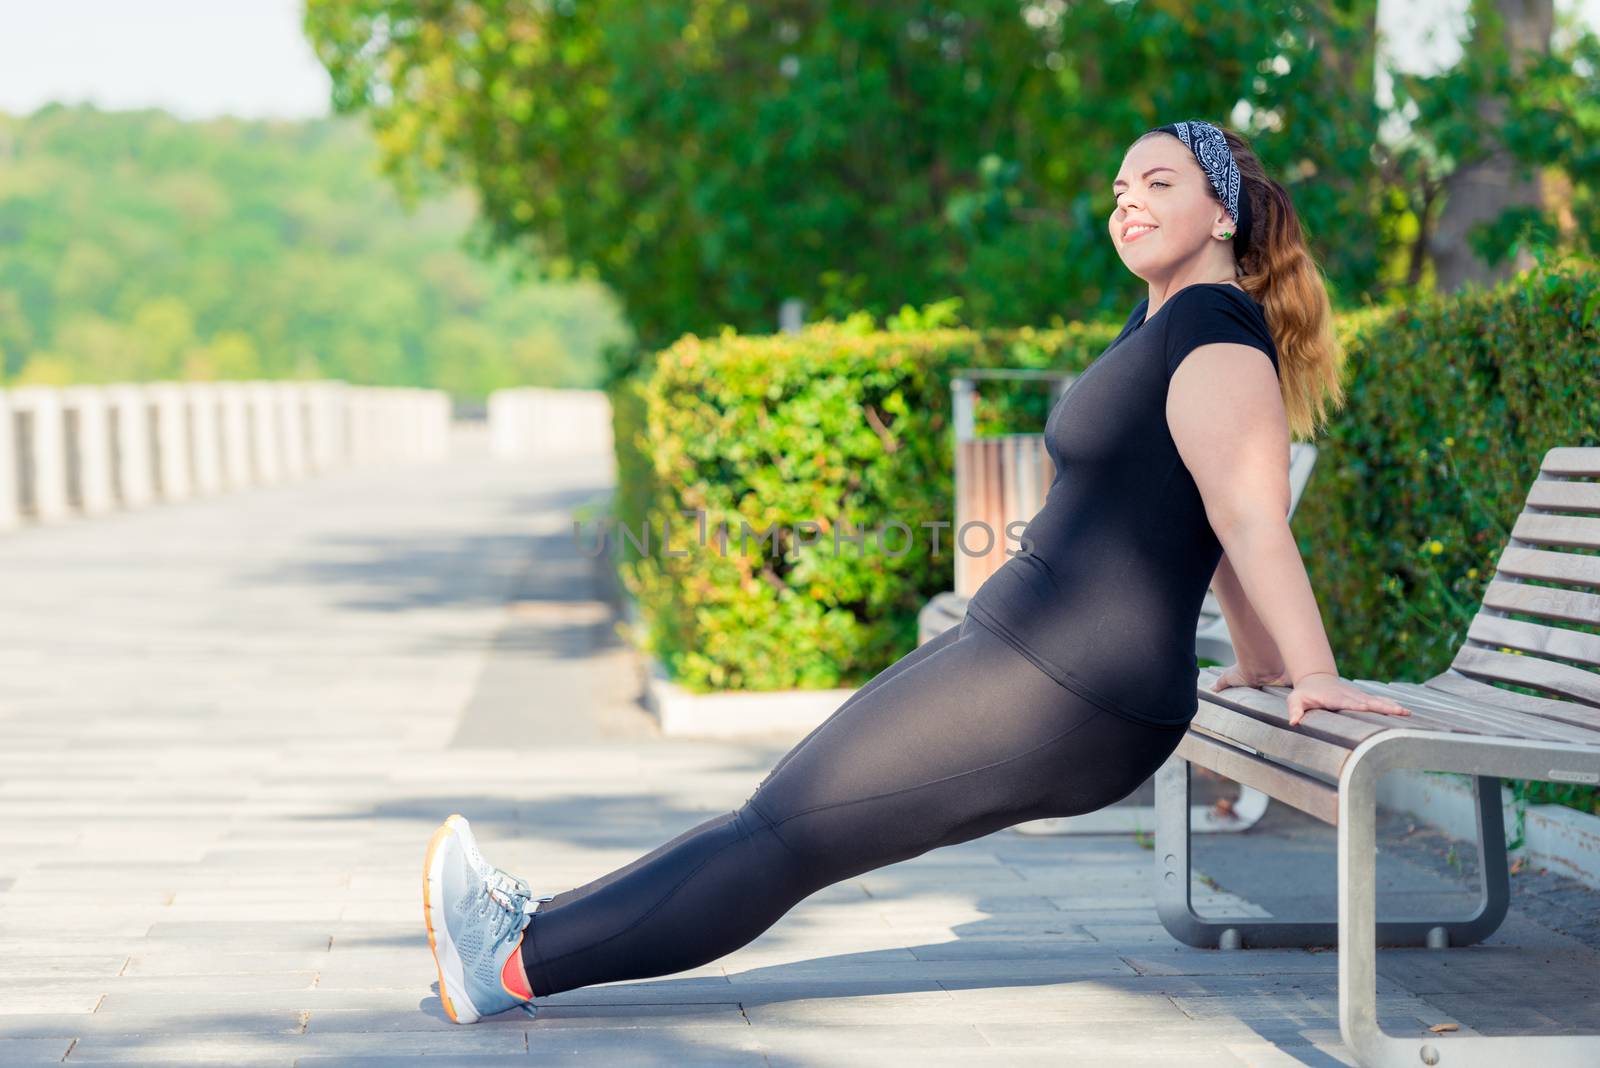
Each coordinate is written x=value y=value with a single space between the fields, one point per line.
x=764 y=435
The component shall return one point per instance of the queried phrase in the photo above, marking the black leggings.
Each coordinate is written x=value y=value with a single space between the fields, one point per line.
x=958 y=738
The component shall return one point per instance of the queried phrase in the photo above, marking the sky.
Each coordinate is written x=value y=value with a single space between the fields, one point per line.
x=249 y=58
x=194 y=58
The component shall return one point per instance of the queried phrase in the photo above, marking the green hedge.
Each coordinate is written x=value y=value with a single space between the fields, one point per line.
x=1452 y=401
x=831 y=425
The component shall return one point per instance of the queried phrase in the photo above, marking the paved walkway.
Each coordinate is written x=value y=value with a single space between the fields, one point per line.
x=230 y=725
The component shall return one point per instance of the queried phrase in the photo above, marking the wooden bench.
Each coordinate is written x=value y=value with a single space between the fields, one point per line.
x=1460 y=721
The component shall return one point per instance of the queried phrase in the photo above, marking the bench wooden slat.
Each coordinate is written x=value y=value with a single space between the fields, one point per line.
x=1427 y=716
x=1574 y=532
x=1526 y=721
x=1309 y=795
x=1547 y=565
x=1536 y=638
x=1573 y=461
x=1452 y=681
x=1268 y=704
x=1434 y=715
x=1322 y=757
x=1476 y=717
x=1492 y=665
x=1551 y=602
x=1244 y=732
x=1555 y=495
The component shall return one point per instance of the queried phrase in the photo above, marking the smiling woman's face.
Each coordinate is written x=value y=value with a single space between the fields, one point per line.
x=1165 y=211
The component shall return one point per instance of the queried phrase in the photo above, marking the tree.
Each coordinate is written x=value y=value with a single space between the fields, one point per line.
x=708 y=158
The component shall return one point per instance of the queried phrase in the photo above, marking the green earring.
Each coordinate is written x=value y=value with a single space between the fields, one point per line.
x=1227 y=235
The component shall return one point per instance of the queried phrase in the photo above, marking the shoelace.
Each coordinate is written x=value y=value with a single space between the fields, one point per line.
x=513 y=893
x=500 y=917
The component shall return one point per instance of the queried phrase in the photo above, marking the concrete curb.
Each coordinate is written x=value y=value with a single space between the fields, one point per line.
x=1561 y=839
x=736 y=713
x=683 y=713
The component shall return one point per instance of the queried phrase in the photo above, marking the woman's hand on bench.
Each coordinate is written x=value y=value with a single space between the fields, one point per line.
x=1324 y=689
x=1251 y=675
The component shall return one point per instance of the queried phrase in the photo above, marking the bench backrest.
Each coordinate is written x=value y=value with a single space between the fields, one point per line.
x=1548 y=574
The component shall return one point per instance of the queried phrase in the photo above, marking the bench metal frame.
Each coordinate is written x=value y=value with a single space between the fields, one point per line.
x=1331 y=763
x=1360 y=932
x=1175 y=904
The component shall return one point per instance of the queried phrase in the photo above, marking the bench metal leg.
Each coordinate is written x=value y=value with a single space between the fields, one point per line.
x=1176 y=908
x=1485 y=758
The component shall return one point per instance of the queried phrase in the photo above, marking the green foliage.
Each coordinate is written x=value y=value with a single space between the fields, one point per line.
x=136 y=246
x=1452 y=405
x=1545 y=122
x=765 y=433
x=709 y=158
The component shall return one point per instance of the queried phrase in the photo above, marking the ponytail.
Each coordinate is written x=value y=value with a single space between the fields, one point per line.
x=1279 y=272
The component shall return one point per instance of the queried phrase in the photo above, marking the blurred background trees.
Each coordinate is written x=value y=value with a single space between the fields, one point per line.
x=707 y=158
x=570 y=186
x=136 y=246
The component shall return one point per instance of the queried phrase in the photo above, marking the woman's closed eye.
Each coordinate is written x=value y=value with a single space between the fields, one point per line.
x=1117 y=201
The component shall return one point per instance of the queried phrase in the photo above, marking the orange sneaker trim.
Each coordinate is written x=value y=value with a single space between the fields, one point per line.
x=512 y=975
x=427 y=917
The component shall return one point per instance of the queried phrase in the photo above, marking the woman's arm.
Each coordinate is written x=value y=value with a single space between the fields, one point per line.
x=1252 y=643
x=1240 y=464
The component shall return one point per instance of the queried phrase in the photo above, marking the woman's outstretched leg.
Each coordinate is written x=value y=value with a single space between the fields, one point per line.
x=967 y=738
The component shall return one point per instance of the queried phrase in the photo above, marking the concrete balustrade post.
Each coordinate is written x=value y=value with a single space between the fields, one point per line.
x=412 y=449
x=354 y=421
x=504 y=424
x=292 y=418
x=405 y=424
x=341 y=393
x=385 y=445
x=394 y=424
x=10 y=514
x=324 y=401
x=441 y=425
x=266 y=438
x=172 y=440
x=205 y=427
x=87 y=415
x=422 y=424
x=238 y=466
x=382 y=427
x=549 y=422
x=132 y=472
x=42 y=445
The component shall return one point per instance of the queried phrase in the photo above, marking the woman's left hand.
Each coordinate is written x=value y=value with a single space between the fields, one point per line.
x=1323 y=689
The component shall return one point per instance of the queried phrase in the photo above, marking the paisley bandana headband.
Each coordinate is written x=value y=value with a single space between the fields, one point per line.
x=1210 y=147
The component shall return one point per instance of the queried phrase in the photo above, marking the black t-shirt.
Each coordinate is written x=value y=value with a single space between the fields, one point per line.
x=1106 y=592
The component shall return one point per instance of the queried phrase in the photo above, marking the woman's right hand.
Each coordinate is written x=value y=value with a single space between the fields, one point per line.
x=1250 y=675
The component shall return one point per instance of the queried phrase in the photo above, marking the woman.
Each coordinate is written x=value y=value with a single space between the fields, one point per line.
x=1073 y=675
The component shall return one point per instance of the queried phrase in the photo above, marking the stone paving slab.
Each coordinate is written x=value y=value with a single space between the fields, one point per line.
x=232 y=724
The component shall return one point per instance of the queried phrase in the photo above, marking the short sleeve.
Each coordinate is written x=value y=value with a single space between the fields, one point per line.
x=1202 y=315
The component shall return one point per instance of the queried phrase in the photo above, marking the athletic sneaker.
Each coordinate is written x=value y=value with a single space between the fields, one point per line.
x=507 y=889
x=476 y=938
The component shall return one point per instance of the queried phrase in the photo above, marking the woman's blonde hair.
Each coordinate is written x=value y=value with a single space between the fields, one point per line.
x=1279 y=271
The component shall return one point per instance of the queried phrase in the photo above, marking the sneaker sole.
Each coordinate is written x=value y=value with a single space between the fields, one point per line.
x=446 y=958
